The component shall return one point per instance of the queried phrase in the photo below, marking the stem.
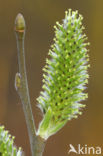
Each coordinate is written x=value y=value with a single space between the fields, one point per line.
x=37 y=143
x=39 y=146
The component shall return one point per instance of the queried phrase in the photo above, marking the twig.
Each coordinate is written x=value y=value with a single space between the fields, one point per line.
x=21 y=85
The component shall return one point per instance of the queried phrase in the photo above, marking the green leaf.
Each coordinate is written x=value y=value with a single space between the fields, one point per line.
x=44 y=125
x=56 y=128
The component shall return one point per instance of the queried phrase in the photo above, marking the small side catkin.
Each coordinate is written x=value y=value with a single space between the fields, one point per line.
x=65 y=75
x=7 y=147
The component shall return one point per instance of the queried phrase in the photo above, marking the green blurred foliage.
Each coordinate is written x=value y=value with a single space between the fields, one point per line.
x=40 y=18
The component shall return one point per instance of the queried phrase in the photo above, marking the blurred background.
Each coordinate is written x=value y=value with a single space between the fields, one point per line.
x=41 y=16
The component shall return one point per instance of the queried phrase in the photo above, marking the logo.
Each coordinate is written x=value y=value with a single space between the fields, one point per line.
x=84 y=150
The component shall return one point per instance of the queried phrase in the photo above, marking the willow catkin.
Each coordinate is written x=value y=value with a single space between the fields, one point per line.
x=65 y=75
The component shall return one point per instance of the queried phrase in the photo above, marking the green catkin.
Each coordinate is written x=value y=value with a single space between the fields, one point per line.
x=65 y=75
x=7 y=147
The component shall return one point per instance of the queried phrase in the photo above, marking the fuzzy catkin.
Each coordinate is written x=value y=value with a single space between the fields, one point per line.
x=7 y=147
x=65 y=74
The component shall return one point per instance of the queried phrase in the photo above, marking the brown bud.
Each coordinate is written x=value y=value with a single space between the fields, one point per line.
x=20 y=23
